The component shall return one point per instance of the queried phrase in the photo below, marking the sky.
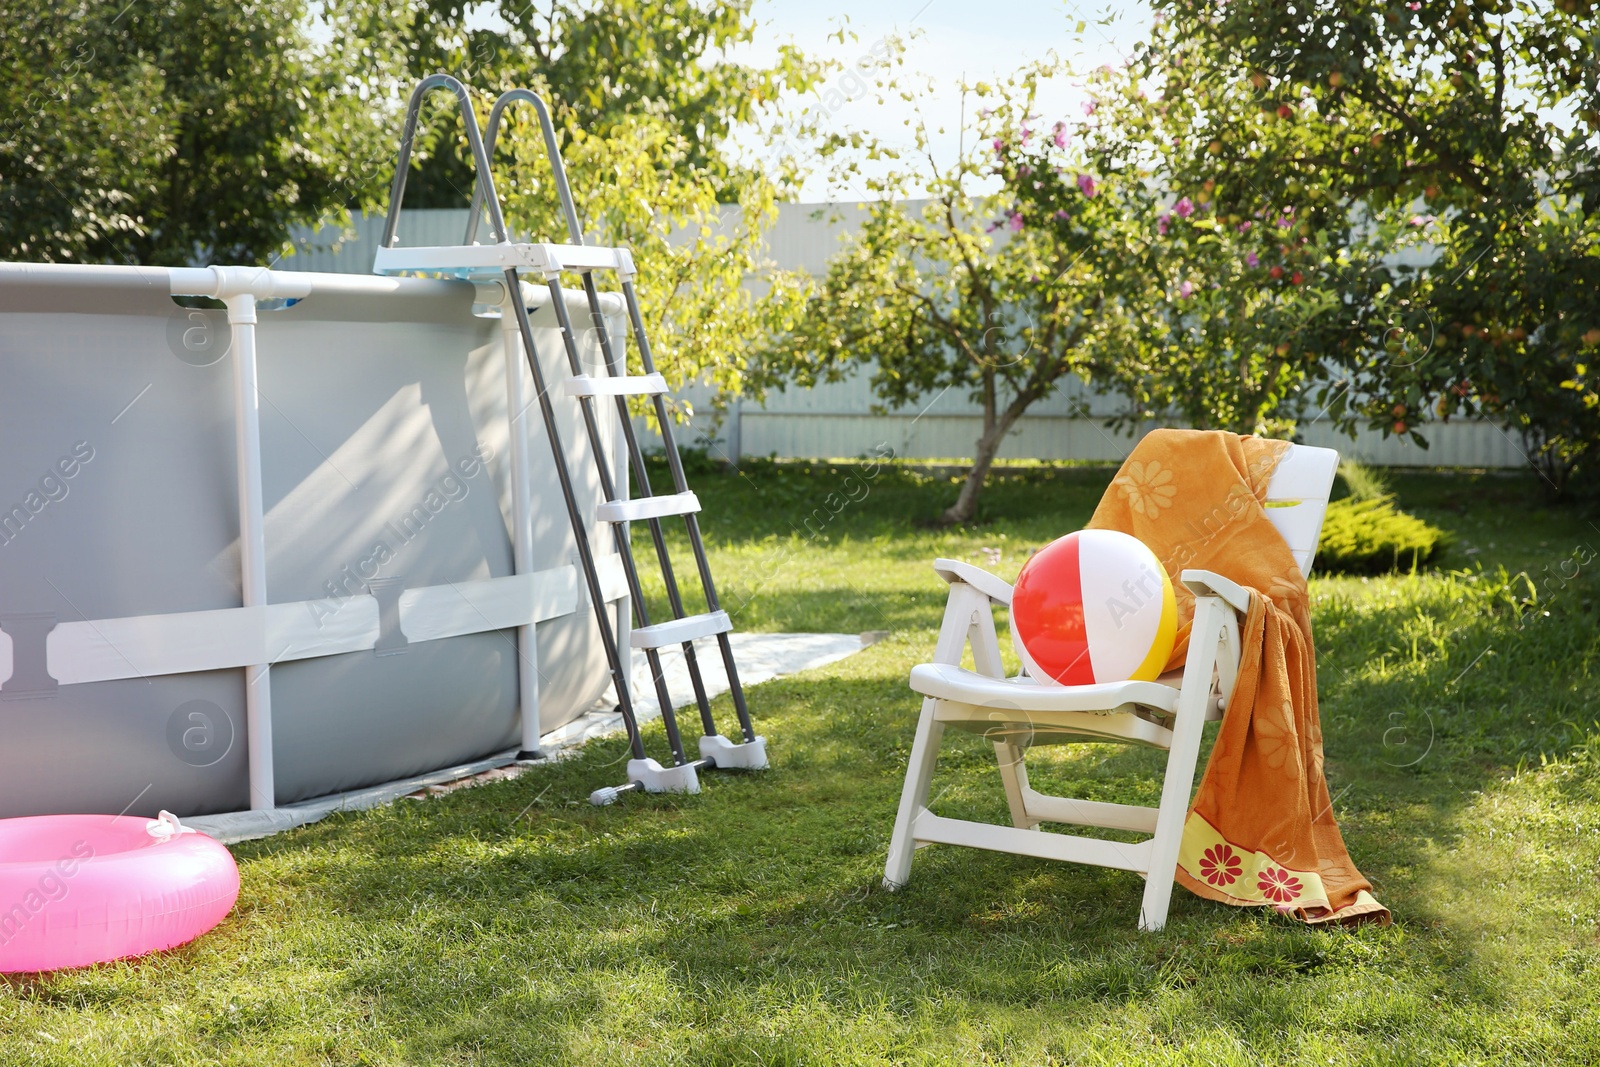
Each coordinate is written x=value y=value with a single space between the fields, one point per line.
x=945 y=41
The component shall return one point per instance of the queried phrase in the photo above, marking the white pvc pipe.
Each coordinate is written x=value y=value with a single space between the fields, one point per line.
x=517 y=407
x=252 y=539
x=267 y=284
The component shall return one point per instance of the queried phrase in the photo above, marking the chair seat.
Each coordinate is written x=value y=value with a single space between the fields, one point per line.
x=947 y=682
x=1022 y=712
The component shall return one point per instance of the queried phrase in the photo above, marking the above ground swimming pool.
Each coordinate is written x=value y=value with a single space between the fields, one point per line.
x=307 y=543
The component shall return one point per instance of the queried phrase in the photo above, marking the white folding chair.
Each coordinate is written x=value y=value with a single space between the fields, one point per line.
x=1017 y=713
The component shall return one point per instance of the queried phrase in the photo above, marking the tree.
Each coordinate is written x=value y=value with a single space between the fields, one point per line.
x=1476 y=126
x=1248 y=309
x=171 y=133
x=1088 y=264
x=975 y=293
x=707 y=291
x=184 y=131
x=601 y=67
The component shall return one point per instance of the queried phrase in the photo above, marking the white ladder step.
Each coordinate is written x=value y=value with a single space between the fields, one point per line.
x=469 y=260
x=677 y=631
x=606 y=385
x=647 y=507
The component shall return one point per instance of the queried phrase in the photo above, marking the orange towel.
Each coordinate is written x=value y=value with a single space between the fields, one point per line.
x=1261 y=829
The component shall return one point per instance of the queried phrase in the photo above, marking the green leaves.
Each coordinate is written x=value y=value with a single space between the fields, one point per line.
x=639 y=186
x=600 y=66
x=175 y=132
x=181 y=131
x=997 y=296
x=1426 y=141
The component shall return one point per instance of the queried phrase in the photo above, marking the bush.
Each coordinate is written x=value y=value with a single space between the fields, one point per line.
x=1362 y=482
x=1364 y=533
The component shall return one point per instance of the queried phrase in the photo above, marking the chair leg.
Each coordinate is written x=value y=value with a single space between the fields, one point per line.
x=1182 y=757
x=1164 y=857
x=1014 y=773
x=914 y=796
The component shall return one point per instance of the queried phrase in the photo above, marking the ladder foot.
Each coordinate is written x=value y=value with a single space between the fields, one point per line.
x=655 y=778
x=529 y=755
x=727 y=756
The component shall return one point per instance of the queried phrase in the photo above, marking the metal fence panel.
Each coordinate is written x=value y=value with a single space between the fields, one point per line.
x=837 y=419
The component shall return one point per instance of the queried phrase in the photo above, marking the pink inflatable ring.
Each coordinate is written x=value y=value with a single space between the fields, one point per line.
x=82 y=889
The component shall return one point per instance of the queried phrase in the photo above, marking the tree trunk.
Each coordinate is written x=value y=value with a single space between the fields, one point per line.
x=996 y=424
x=995 y=427
x=966 y=504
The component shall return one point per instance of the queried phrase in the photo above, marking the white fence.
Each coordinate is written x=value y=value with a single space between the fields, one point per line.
x=836 y=420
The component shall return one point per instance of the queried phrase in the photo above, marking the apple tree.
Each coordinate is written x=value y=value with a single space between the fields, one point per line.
x=973 y=289
x=1475 y=126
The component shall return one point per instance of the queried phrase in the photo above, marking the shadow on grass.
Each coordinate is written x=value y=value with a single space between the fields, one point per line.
x=514 y=923
x=748 y=924
x=764 y=892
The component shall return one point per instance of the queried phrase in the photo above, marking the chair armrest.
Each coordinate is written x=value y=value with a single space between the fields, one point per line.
x=953 y=571
x=1210 y=583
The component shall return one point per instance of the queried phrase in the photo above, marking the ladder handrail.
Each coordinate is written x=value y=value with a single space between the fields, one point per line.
x=552 y=151
x=483 y=188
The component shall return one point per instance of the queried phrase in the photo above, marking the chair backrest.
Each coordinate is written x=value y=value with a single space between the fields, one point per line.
x=1300 y=488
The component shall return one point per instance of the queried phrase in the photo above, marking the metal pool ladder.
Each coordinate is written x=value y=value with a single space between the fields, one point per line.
x=505 y=261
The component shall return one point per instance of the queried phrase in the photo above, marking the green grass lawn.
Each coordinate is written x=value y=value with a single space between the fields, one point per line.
x=515 y=924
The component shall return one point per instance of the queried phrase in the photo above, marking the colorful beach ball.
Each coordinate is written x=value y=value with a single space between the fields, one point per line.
x=1093 y=606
